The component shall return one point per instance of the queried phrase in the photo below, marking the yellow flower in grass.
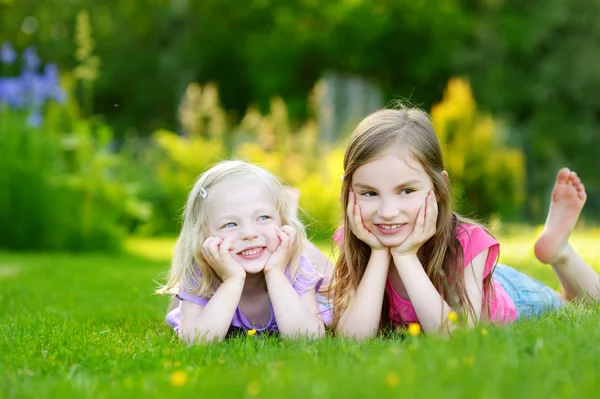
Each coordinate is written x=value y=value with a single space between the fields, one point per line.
x=391 y=379
x=178 y=378
x=251 y=333
x=452 y=316
x=253 y=388
x=484 y=332
x=414 y=329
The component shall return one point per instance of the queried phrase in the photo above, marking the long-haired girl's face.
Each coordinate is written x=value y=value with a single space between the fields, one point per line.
x=390 y=190
x=244 y=211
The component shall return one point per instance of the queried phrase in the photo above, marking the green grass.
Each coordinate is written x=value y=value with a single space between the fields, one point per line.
x=88 y=326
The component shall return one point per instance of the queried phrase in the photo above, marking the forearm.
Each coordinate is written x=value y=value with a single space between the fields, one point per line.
x=431 y=309
x=293 y=317
x=214 y=320
x=362 y=316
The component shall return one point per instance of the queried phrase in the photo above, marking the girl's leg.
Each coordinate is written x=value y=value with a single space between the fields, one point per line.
x=578 y=279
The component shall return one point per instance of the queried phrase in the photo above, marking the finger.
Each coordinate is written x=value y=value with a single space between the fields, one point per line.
x=225 y=248
x=358 y=218
x=420 y=224
x=285 y=239
x=206 y=242
x=350 y=207
x=206 y=247
x=431 y=220
x=289 y=230
x=291 y=233
x=213 y=248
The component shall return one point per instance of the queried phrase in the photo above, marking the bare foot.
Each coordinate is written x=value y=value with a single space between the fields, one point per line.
x=293 y=195
x=568 y=198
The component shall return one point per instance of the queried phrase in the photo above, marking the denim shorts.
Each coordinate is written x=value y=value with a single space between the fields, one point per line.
x=531 y=297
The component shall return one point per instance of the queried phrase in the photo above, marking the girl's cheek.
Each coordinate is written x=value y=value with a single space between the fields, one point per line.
x=270 y=229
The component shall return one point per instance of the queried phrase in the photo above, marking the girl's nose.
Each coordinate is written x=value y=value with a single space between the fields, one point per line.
x=249 y=233
x=388 y=210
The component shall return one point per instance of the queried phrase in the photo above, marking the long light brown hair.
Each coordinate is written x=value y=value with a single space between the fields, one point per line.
x=411 y=131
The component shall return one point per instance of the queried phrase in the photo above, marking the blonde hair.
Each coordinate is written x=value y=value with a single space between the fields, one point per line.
x=189 y=270
x=409 y=130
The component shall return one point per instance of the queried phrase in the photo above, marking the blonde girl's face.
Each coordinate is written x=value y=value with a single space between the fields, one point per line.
x=390 y=190
x=244 y=211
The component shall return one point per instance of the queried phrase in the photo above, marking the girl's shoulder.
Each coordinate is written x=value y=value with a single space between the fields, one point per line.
x=472 y=233
x=475 y=239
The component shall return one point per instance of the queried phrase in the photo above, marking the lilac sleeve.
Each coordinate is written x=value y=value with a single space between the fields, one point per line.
x=198 y=300
x=307 y=278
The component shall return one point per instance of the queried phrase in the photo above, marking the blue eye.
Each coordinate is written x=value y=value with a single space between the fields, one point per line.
x=228 y=225
x=264 y=217
x=407 y=191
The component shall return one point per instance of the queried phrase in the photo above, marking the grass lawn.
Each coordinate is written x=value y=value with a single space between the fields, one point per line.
x=88 y=326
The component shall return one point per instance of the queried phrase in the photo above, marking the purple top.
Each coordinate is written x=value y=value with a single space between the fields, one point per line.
x=305 y=281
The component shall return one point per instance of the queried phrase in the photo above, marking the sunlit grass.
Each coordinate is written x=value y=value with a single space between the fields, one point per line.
x=89 y=326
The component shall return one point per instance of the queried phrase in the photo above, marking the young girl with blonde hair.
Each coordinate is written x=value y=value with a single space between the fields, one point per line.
x=407 y=257
x=238 y=264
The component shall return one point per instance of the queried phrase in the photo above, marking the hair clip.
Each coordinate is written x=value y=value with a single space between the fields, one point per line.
x=203 y=193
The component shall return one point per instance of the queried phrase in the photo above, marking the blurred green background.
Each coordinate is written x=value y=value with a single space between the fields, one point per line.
x=109 y=109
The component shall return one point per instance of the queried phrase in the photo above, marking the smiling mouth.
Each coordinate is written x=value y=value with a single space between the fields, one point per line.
x=252 y=253
x=390 y=229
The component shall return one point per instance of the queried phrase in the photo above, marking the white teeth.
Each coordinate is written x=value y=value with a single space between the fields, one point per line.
x=389 y=227
x=251 y=251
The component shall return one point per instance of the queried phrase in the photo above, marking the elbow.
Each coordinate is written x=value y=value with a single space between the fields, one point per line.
x=198 y=337
x=316 y=331
x=357 y=334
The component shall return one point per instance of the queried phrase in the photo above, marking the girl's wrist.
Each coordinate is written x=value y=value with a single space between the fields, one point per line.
x=401 y=258
x=235 y=279
x=381 y=252
x=273 y=271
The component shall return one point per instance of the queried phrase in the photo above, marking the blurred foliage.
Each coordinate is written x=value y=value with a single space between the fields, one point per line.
x=299 y=159
x=531 y=67
x=484 y=184
x=60 y=187
x=536 y=67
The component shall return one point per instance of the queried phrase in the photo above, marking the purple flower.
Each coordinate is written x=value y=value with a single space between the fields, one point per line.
x=7 y=54
x=35 y=118
x=51 y=73
x=31 y=90
x=30 y=59
x=11 y=93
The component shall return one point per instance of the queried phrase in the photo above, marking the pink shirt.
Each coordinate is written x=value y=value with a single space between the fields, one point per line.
x=474 y=240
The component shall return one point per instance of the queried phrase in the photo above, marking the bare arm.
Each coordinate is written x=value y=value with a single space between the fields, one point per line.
x=361 y=317
x=431 y=309
x=211 y=322
x=295 y=315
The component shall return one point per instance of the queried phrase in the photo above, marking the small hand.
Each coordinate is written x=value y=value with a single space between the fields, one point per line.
x=217 y=253
x=357 y=226
x=280 y=259
x=425 y=228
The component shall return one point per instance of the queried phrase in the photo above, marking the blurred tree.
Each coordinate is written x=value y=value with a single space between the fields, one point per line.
x=537 y=68
x=253 y=50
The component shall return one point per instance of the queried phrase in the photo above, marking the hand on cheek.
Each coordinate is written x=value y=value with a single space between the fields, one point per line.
x=217 y=253
x=425 y=228
x=357 y=226
x=282 y=256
